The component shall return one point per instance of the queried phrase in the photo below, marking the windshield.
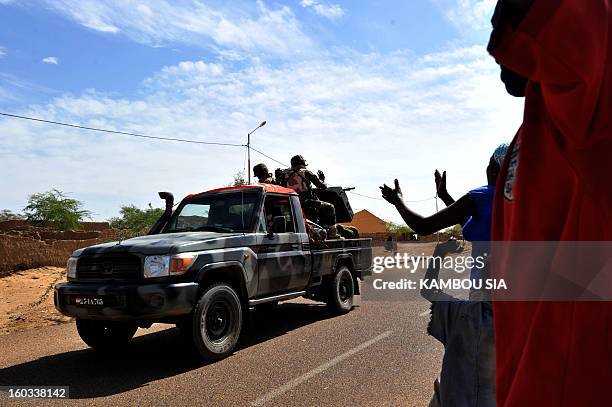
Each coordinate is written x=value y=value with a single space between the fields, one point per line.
x=216 y=212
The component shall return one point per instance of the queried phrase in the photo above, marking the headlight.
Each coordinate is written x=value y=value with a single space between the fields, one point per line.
x=162 y=266
x=71 y=267
x=156 y=266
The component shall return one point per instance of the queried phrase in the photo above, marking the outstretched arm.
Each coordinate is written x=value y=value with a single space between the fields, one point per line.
x=456 y=213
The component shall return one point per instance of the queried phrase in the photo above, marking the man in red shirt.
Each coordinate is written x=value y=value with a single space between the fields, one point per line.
x=555 y=186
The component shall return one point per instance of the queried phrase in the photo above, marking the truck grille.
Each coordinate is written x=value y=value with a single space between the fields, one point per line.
x=109 y=267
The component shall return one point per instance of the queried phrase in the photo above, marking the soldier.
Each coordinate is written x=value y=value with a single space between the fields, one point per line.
x=301 y=181
x=262 y=174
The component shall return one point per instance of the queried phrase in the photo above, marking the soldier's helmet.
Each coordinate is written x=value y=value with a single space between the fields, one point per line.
x=261 y=171
x=298 y=161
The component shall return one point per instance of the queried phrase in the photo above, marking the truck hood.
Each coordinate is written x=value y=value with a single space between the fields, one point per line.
x=167 y=243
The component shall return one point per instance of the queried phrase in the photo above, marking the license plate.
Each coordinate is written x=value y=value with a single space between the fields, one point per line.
x=90 y=301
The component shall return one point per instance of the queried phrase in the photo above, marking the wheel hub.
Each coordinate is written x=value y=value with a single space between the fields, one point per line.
x=217 y=321
x=344 y=289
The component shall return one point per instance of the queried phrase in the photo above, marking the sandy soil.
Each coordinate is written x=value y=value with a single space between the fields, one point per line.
x=26 y=299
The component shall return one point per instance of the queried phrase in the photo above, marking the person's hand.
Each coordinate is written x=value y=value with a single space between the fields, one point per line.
x=440 y=183
x=321 y=175
x=450 y=246
x=392 y=195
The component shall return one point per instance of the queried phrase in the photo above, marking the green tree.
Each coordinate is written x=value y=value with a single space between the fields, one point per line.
x=398 y=229
x=56 y=210
x=456 y=231
x=135 y=221
x=6 y=214
x=238 y=179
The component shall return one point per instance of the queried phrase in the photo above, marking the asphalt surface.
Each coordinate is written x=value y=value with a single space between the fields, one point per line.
x=297 y=355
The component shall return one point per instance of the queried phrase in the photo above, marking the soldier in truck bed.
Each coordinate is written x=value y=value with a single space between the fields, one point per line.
x=262 y=174
x=301 y=180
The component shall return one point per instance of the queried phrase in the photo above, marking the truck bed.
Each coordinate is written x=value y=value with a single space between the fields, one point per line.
x=326 y=255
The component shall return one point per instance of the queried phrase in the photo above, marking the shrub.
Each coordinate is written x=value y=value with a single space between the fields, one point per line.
x=399 y=230
x=56 y=210
x=6 y=214
x=238 y=179
x=456 y=231
x=135 y=221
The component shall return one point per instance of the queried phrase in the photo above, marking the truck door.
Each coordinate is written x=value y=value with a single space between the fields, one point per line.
x=283 y=262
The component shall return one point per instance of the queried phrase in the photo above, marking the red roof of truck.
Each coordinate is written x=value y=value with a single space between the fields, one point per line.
x=277 y=189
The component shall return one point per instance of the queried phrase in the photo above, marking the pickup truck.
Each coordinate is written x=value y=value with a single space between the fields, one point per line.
x=204 y=265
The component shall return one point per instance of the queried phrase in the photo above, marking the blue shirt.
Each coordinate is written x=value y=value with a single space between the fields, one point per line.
x=477 y=229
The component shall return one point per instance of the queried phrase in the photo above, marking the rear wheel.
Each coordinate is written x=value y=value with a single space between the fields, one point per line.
x=341 y=291
x=105 y=335
x=216 y=322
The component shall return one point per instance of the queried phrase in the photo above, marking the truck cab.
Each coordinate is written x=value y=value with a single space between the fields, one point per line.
x=204 y=265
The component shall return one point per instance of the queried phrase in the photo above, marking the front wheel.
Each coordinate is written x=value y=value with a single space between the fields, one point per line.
x=341 y=292
x=216 y=322
x=105 y=335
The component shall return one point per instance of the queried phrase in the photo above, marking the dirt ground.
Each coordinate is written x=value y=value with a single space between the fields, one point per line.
x=26 y=299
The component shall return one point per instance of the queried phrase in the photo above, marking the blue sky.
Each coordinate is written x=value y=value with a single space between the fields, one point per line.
x=367 y=90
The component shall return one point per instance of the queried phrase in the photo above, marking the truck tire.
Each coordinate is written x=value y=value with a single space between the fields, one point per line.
x=341 y=291
x=105 y=335
x=217 y=322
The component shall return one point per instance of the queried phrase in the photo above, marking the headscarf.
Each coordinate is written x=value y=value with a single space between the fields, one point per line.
x=500 y=153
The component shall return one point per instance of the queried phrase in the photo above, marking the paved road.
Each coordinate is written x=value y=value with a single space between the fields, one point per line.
x=377 y=355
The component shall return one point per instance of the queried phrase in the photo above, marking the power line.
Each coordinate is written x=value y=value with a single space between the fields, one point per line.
x=267 y=156
x=381 y=199
x=125 y=133
x=365 y=196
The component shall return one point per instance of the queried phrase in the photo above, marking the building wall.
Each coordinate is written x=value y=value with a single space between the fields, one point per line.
x=366 y=222
x=23 y=246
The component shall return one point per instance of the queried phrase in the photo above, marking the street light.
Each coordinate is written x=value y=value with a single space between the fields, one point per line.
x=249 y=148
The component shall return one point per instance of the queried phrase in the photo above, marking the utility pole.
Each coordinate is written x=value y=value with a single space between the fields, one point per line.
x=249 y=150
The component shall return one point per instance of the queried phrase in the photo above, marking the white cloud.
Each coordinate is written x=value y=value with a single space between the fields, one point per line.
x=331 y=11
x=471 y=17
x=248 y=27
x=2 y=52
x=51 y=60
x=362 y=118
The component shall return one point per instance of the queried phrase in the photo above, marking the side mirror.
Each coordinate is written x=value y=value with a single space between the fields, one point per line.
x=279 y=225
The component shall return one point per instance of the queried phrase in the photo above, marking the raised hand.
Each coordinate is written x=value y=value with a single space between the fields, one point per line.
x=440 y=183
x=392 y=195
x=321 y=175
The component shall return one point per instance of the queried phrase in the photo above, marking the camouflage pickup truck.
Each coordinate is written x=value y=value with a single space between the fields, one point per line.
x=204 y=265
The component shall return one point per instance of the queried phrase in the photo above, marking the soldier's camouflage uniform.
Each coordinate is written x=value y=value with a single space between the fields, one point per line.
x=321 y=212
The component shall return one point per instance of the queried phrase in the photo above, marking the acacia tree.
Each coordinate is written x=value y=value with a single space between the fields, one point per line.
x=56 y=210
x=238 y=179
x=135 y=221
